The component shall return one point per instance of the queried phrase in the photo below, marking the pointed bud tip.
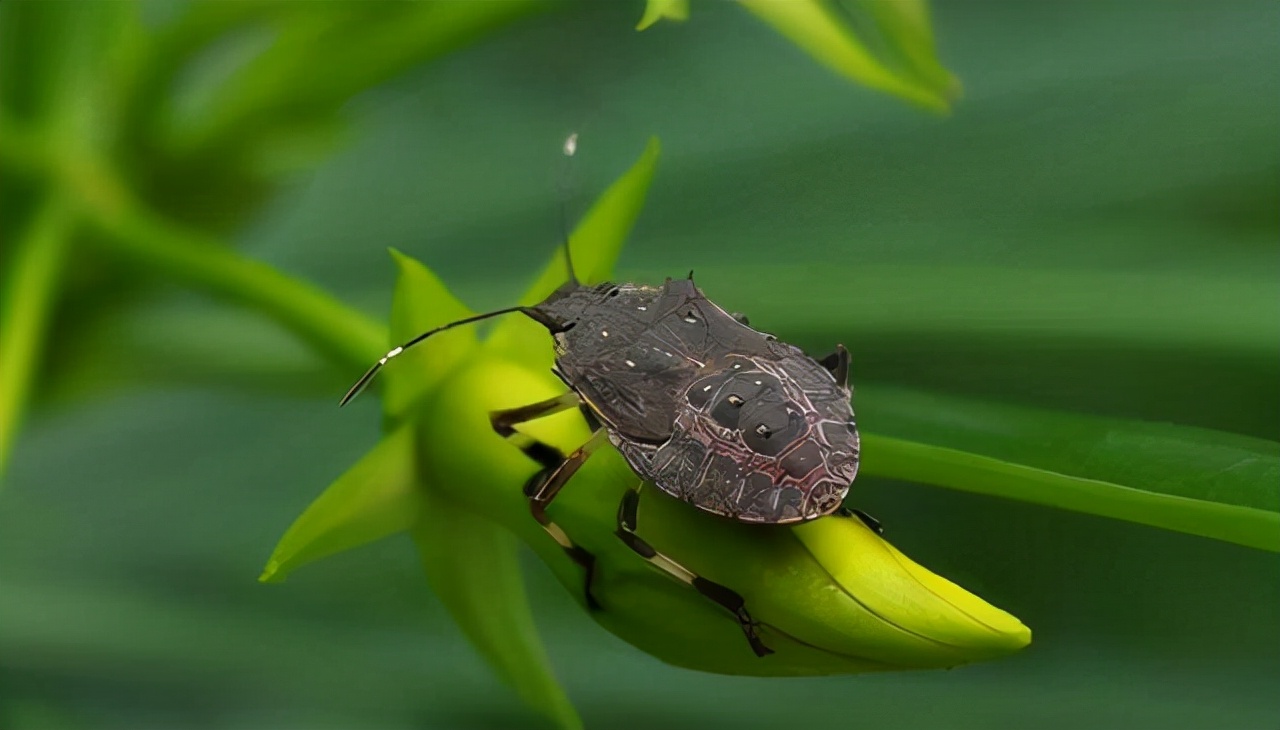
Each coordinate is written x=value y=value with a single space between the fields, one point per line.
x=271 y=573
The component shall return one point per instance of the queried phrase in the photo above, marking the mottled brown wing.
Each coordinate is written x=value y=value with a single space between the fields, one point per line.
x=716 y=460
x=634 y=359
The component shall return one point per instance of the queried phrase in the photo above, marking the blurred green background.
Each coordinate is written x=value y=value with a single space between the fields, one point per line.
x=1105 y=157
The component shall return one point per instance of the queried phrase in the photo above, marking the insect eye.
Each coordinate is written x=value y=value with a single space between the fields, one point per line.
x=614 y=292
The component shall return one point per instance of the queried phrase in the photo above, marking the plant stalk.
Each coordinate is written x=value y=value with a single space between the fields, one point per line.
x=344 y=335
x=26 y=306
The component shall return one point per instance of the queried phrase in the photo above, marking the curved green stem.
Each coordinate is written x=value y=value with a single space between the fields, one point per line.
x=28 y=300
x=341 y=333
x=196 y=258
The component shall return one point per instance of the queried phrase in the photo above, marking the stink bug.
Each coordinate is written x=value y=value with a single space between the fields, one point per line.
x=711 y=411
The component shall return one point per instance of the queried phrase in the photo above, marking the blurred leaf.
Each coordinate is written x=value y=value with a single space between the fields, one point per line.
x=375 y=498
x=1198 y=310
x=1192 y=480
x=32 y=277
x=335 y=50
x=422 y=302
x=655 y=10
x=596 y=243
x=140 y=236
x=169 y=341
x=67 y=105
x=905 y=25
x=473 y=567
x=820 y=29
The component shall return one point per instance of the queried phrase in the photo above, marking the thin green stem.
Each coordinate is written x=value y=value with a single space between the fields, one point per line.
x=26 y=306
x=196 y=258
x=339 y=332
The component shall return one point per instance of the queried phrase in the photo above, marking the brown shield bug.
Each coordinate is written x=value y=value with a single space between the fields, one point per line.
x=711 y=411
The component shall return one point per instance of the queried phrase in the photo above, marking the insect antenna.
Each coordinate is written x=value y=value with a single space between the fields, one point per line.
x=368 y=376
x=570 y=148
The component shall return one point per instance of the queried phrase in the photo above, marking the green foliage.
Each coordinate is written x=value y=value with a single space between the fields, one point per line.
x=376 y=498
x=825 y=29
x=655 y=10
x=136 y=140
x=1193 y=480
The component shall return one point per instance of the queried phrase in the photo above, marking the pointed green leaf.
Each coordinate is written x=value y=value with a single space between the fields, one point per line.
x=376 y=498
x=421 y=302
x=655 y=10
x=1193 y=480
x=595 y=244
x=905 y=26
x=818 y=29
x=473 y=567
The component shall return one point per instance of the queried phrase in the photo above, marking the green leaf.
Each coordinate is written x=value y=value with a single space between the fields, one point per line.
x=906 y=28
x=1181 y=478
x=595 y=244
x=329 y=53
x=821 y=30
x=473 y=567
x=655 y=10
x=376 y=498
x=27 y=301
x=422 y=302
x=1200 y=310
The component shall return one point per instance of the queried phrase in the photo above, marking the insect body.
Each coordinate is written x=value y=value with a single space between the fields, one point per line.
x=711 y=411
x=708 y=409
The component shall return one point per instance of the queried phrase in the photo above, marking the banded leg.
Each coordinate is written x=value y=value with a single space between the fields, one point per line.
x=505 y=421
x=726 y=597
x=543 y=487
x=867 y=519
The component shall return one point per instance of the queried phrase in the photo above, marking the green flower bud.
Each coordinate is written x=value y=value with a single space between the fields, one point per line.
x=831 y=596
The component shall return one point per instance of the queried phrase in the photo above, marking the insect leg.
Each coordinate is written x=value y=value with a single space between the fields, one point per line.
x=726 y=597
x=504 y=420
x=504 y=423
x=544 y=486
x=837 y=363
x=872 y=523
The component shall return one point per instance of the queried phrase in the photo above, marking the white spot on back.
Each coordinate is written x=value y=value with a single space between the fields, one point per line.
x=604 y=333
x=630 y=364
